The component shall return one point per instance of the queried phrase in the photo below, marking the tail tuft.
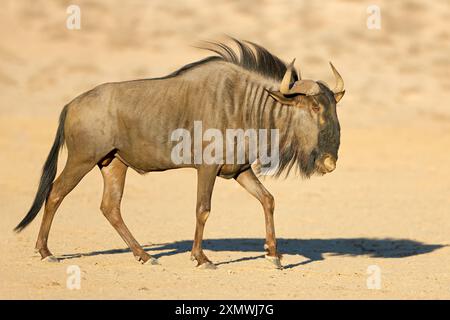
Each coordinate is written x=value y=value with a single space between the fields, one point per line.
x=48 y=175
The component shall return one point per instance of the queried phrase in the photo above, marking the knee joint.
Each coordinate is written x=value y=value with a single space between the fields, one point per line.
x=268 y=201
x=105 y=208
x=110 y=212
x=202 y=207
x=53 y=199
x=202 y=216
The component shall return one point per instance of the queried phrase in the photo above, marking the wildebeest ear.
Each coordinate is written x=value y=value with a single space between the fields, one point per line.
x=338 y=96
x=281 y=98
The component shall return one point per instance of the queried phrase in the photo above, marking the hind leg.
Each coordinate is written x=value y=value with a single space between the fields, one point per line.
x=73 y=172
x=114 y=180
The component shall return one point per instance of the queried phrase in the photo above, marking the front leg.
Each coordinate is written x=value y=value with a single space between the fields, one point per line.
x=206 y=177
x=251 y=183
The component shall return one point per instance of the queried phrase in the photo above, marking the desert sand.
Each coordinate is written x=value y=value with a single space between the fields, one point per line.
x=386 y=205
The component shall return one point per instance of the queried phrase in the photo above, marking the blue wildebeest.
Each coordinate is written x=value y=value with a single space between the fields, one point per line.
x=128 y=124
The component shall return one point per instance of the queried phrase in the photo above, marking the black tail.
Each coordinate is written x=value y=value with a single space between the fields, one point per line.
x=48 y=175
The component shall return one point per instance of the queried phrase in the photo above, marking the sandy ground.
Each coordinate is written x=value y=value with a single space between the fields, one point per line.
x=387 y=205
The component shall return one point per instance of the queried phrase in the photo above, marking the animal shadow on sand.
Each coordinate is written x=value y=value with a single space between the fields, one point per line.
x=312 y=249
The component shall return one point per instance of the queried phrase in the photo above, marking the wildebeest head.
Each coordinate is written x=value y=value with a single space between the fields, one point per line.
x=320 y=103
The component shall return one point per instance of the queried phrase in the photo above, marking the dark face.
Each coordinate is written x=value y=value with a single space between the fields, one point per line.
x=321 y=120
x=317 y=128
x=329 y=131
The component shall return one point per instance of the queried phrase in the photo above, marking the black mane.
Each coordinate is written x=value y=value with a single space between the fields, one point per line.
x=250 y=56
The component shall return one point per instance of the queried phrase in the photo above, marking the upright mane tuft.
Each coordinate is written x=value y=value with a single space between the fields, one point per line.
x=251 y=57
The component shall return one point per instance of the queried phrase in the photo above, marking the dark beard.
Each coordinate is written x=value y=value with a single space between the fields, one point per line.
x=292 y=156
x=307 y=164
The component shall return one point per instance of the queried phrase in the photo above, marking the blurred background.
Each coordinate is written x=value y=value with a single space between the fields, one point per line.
x=395 y=73
x=392 y=181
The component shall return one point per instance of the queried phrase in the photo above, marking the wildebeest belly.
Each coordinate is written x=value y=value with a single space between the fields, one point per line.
x=229 y=171
x=146 y=157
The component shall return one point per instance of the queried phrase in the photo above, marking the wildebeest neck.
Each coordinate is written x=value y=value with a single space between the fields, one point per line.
x=297 y=136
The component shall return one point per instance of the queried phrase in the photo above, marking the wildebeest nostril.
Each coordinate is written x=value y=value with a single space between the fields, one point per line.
x=329 y=163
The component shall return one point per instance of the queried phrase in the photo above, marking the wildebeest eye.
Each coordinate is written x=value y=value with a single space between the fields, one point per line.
x=316 y=108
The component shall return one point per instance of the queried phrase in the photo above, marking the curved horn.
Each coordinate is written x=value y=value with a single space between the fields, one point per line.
x=339 y=81
x=284 y=86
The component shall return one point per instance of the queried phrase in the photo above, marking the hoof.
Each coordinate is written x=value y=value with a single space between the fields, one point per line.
x=275 y=261
x=152 y=261
x=207 y=266
x=52 y=259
